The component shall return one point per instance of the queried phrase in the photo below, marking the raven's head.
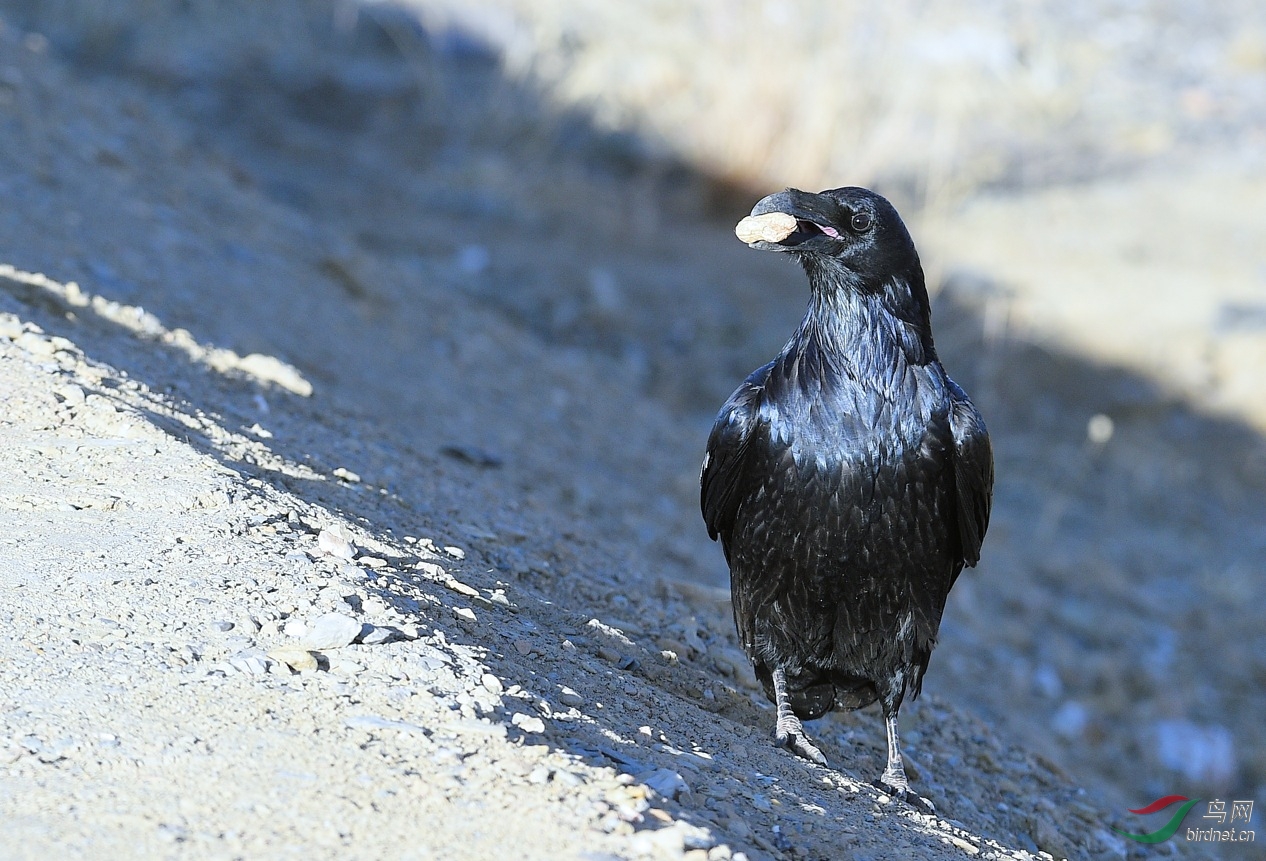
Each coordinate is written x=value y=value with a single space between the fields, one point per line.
x=852 y=229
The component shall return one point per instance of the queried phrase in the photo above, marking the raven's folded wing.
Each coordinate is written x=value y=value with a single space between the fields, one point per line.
x=973 y=472
x=721 y=480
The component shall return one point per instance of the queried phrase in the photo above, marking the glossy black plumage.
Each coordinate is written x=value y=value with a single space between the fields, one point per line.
x=849 y=480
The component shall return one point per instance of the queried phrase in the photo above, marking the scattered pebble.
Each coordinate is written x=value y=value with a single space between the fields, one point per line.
x=1049 y=838
x=664 y=782
x=253 y=665
x=10 y=327
x=270 y=369
x=568 y=779
x=331 y=631
x=377 y=636
x=298 y=659
x=1099 y=429
x=431 y=571
x=673 y=841
x=569 y=697
x=35 y=345
x=335 y=545
x=527 y=723
x=70 y=394
x=345 y=666
x=459 y=587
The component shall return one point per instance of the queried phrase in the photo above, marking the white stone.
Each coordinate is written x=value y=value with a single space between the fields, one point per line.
x=331 y=631
x=665 y=782
x=298 y=659
x=528 y=723
x=335 y=545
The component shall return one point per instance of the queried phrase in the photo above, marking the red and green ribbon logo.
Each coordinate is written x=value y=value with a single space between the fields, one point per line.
x=1167 y=830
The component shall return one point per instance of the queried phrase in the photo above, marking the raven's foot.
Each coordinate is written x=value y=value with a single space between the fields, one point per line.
x=893 y=781
x=902 y=792
x=789 y=733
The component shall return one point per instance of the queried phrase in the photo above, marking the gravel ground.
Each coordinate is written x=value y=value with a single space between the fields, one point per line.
x=433 y=583
x=207 y=662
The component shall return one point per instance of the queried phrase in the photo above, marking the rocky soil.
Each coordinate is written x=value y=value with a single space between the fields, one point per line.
x=353 y=400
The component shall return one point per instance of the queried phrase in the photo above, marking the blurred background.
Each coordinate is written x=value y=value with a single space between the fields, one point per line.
x=503 y=228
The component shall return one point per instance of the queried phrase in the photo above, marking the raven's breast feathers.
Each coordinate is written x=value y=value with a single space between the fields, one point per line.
x=834 y=423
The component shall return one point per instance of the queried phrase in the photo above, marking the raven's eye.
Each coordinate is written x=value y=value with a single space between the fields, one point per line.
x=861 y=222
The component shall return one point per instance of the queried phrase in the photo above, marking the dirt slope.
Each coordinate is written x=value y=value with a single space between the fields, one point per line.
x=166 y=566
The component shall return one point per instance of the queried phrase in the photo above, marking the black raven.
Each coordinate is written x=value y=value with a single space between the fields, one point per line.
x=849 y=479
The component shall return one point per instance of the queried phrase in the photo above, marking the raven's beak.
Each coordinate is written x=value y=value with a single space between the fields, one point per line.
x=783 y=221
x=780 y=202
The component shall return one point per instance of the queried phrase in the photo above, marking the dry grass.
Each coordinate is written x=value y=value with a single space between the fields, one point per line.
x=927 y=100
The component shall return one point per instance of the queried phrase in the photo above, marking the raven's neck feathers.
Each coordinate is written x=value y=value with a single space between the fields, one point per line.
x=863 y=323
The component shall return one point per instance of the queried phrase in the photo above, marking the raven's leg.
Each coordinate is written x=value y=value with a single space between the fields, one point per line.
x=788 y=731
x=893 y=780
x=894 y=775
